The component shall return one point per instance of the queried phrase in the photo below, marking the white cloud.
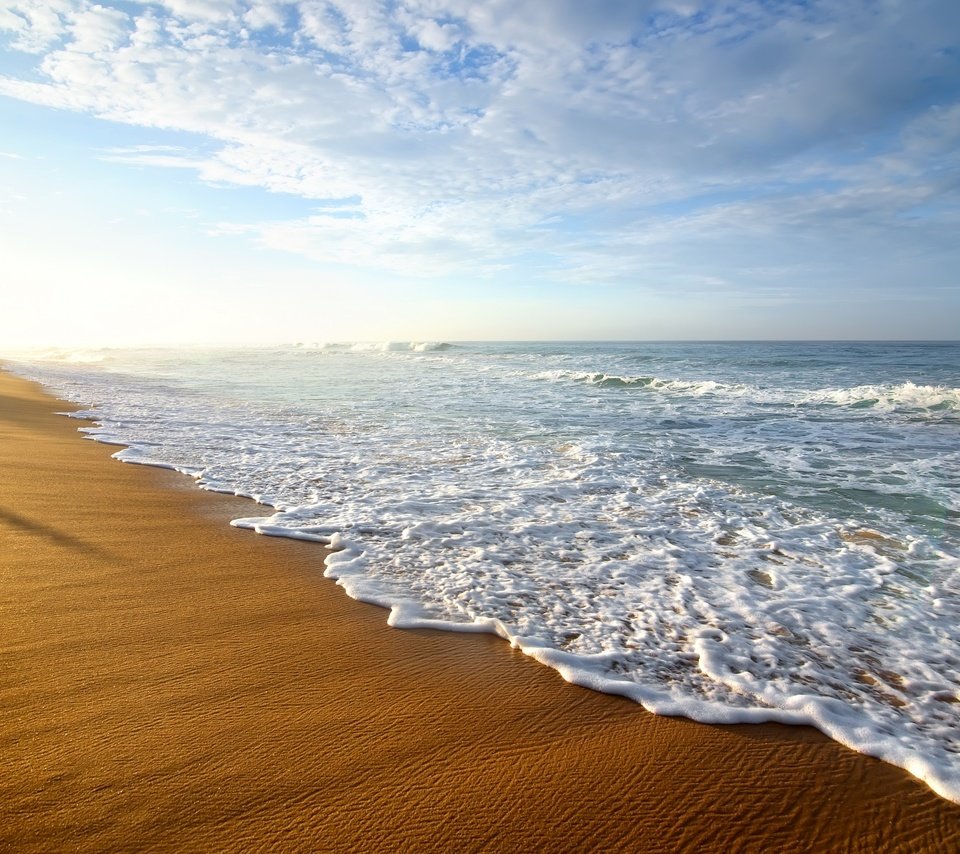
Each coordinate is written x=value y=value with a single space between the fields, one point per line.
x=98 y=29
x=265 y=15
x=36 y=24
x=605 y=138
x=206 y=11
x=433 y=35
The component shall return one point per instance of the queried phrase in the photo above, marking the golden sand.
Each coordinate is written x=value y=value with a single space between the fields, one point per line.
x=171 y=683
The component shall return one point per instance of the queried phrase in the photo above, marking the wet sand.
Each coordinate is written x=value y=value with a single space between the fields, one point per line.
x=171 y=683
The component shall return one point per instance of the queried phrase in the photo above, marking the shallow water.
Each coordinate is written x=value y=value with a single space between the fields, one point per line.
x=731 y=532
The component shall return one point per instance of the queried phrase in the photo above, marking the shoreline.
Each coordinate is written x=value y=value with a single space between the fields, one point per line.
x=172 y=682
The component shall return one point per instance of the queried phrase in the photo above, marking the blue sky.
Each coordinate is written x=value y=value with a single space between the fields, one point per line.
x=227 y=171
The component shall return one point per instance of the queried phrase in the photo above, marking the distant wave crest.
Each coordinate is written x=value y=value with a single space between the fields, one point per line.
x=77 y=356
x=904 y=396
x=614 y=381
x=381 y=346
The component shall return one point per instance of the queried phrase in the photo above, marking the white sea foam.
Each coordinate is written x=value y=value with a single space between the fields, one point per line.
x=731 y=546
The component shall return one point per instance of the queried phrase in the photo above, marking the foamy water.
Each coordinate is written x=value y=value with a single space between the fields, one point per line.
x=729 y=532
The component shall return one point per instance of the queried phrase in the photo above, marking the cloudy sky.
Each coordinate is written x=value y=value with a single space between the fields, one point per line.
x=222 y=170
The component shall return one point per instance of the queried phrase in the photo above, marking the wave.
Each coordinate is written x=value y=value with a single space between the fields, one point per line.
x=903 y=396
x=399 y=346
x=319 y=345
x=74 y=356
x=601 y=380
x=376 y=347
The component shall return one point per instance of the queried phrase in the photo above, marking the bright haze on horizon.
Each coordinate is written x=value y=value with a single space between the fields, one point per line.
x=230 y=171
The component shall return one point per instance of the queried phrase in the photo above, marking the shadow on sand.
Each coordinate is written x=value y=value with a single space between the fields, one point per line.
x=49 y=533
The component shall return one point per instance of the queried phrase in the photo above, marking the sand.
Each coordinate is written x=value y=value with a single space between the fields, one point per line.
x=171 y=683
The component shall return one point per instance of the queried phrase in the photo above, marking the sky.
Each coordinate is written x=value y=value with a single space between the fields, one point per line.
x=223 y=171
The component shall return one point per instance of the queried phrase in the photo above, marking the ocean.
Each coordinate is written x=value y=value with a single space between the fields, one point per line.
x=732 y=532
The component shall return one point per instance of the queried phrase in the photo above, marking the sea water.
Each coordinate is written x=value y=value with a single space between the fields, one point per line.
x=732 y=532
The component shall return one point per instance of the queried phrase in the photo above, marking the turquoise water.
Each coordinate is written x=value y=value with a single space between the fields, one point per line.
x=727 y=531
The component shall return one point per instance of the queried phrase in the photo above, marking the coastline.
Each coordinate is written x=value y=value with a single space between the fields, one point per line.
x=171 y=682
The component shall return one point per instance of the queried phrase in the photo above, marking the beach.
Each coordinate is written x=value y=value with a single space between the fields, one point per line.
x=170 y=682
